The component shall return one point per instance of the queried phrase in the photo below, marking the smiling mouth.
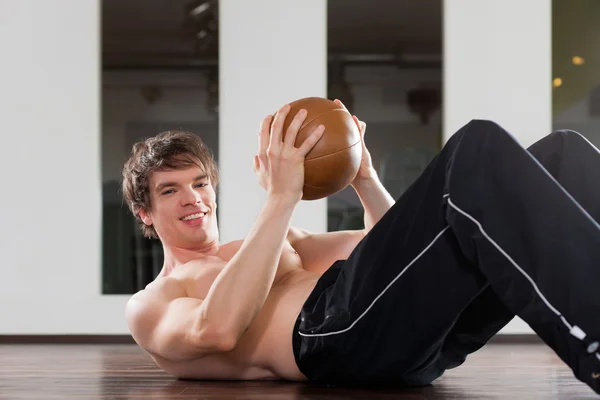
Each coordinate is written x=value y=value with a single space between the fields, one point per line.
x=193 y=217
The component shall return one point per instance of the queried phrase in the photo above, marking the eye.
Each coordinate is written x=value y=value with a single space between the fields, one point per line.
x=168 y=191
x=200 y=184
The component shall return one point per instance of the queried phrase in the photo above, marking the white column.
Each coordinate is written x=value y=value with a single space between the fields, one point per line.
x=497 y=66
x=50 y=209
x=270 y=52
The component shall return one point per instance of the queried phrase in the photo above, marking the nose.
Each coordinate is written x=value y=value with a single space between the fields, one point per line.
x=190 y=197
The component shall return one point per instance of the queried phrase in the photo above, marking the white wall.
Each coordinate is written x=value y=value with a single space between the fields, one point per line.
x=273 y=57
x=497 y=65
x=50 y=169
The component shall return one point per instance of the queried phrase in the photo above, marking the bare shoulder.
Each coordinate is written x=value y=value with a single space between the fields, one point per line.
x=295 y=233
x=168 y=288
x=319 y=251
x=145 y=306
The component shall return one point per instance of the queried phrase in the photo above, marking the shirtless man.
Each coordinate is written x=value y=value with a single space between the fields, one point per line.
x=430 y=279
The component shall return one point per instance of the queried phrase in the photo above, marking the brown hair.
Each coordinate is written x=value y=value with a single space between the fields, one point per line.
x=169 y=150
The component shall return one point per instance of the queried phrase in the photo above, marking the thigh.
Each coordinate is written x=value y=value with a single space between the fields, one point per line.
x=382 y=314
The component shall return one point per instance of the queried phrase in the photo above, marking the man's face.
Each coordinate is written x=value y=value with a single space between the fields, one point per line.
x=183 y=207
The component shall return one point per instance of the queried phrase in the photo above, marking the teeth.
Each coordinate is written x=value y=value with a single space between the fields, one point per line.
x=193 y=216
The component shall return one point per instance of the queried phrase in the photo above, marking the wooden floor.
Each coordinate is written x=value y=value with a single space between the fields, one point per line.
x=498 y=371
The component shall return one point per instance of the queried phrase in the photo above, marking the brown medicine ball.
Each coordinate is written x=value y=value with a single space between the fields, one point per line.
x=333 y=163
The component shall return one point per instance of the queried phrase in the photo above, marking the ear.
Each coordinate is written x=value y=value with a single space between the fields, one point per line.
x=146 y=218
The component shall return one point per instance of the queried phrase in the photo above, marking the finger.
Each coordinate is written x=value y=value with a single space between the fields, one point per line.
x=256 y=164
x=277 y=126
x=311 y=140
x=339 y=103
x=292 y=131
x=263 y=136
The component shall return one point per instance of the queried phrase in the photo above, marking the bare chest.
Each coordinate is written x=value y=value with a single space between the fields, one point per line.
x=198 y=282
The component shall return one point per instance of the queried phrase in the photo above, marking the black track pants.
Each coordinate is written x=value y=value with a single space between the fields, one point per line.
x=489 y=231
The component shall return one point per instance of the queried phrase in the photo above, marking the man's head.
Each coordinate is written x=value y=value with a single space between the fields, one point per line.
x=166 y=181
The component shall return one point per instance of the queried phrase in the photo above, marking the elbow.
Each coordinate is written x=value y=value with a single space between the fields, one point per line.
x=220 y=341
x=227 y=343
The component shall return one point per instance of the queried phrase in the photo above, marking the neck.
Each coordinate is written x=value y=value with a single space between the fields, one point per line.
x=177 y=256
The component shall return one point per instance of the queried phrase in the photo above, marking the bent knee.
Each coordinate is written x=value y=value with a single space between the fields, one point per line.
x=483 y=129
x=486 y=125
x=556 y=142
x=569 y=135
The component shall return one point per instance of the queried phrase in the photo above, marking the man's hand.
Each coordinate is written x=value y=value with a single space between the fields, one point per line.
x=366 y=170
x=372 y=194
x=279 y=164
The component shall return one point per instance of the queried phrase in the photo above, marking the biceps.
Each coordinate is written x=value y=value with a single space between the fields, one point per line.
x=180 y=335
x=174 y=327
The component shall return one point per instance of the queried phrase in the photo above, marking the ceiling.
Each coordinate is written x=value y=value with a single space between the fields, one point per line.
x=157 y=33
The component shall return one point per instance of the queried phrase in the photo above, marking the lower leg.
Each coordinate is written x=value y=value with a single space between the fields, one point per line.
x=573 y=161
x=537 y=247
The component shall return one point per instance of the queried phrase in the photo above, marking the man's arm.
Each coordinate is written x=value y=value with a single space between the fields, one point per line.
x=376 y=200
x=319 y=251
x=374 y=197
x=241 y=288
x=167 y=323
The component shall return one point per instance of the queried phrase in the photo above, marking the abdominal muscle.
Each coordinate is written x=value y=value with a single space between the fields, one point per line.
x=264 y=352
